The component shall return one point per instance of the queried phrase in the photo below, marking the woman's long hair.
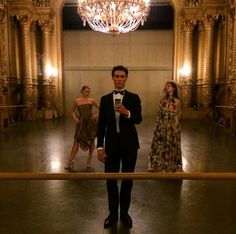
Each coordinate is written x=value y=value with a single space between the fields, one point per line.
x=174 y=85
x=176 y=93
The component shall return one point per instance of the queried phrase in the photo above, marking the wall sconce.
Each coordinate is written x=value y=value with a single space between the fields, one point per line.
x=184 y=73
x=51 y=73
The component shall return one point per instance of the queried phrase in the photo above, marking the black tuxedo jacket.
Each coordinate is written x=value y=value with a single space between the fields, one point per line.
x=106 y=134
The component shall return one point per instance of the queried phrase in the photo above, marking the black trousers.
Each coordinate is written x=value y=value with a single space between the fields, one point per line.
x=125 y=158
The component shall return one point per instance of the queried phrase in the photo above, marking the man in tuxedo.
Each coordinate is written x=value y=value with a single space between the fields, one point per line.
x=117 y=143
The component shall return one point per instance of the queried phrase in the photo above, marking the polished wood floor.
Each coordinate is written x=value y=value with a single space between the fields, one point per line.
x=158 y=207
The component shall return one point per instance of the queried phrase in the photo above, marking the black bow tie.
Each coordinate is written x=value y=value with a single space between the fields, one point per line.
x=120 y=92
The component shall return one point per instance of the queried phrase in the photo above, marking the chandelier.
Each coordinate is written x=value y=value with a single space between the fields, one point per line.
x=113 y=16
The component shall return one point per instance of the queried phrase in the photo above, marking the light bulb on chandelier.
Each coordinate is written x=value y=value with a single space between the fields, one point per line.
x=114 y=16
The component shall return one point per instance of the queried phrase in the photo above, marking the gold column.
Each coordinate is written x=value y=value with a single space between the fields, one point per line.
x=219 y=65
x=54 y=65
x=187 y=69
x=219 y=87
x=15 y=63
x=207 y=76
x=46 y=27
x=25 y=23
x=34 y=64
x=14 y=78
x=3 y=55
x=4 y=116
x=201 y=34
x=231 y=90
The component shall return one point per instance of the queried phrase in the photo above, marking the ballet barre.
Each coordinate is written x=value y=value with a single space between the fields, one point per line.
x=118 y=176
x=227 y=107
x=14 y=106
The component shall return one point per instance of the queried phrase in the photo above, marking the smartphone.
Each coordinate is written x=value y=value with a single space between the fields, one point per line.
x=117 y=101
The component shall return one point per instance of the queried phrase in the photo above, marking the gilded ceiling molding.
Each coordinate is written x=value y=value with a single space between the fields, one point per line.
x=192 y=3
x=41 y=3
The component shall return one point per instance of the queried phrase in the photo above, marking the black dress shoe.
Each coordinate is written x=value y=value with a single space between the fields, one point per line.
x=110 y=220
x=126 y=219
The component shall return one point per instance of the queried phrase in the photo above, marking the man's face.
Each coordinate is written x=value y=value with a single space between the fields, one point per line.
x=119 y=79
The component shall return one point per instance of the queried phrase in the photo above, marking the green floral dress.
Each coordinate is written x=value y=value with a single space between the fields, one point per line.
x=165 y=154
x=86 y=129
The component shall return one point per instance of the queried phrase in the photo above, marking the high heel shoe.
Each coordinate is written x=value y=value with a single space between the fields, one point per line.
x=69 y=166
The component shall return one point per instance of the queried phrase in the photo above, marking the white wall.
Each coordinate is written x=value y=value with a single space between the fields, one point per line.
x=89 y=57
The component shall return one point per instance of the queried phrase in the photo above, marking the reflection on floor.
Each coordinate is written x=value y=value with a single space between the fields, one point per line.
x=158 y=207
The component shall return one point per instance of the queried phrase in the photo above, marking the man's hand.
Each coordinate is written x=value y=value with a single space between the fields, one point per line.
x=121 y=109
x=101 y=155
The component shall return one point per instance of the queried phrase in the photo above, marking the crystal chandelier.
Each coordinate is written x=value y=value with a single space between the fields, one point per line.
x=114 y=16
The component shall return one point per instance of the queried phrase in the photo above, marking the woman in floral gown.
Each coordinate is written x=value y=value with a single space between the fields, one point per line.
x=165 y=154
x=86 y=126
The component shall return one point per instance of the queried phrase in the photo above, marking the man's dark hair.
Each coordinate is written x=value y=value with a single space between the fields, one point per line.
x=119 y=68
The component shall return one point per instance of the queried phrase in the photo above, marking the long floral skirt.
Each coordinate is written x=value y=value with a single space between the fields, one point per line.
x=165 y=154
